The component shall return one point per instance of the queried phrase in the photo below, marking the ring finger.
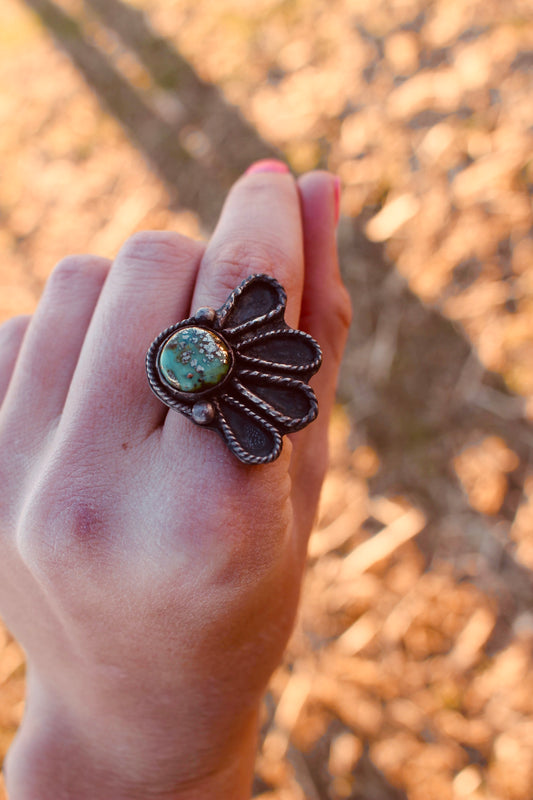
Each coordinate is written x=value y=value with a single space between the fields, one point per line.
x=259 y=231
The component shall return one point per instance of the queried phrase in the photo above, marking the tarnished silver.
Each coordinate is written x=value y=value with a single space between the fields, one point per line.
x=265 y=393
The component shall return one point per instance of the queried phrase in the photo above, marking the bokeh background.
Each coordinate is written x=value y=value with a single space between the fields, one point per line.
x=409 y=674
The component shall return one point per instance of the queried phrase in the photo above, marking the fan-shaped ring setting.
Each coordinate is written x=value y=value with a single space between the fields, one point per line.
x=239 y=370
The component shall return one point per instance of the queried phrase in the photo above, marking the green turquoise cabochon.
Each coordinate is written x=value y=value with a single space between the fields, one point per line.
x=194 y=360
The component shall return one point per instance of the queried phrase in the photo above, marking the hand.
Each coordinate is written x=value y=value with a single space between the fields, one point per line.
x=151 y=577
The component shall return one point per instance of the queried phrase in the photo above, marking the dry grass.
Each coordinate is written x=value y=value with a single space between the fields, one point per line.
x=410 y=669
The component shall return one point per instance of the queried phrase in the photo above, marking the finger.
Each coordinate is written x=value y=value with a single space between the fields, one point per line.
x=259 y=232
x=326 y=315
x=11 y=335
x=149 y=287
x=53 y=341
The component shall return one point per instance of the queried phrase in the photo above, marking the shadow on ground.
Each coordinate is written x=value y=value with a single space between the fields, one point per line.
x=418 y=394
x=194 y=140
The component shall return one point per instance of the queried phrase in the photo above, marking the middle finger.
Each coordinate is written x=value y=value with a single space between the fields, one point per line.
x=148 y=288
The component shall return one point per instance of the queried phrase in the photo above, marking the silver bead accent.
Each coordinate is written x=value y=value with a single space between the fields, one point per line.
x=205 y=314
x=203 y=412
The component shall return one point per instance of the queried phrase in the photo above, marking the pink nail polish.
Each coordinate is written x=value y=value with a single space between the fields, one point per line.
x=267 y=165
x=337 y=195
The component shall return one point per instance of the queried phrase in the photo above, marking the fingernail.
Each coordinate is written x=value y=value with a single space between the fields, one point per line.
x=267 y=165
x=337 y=195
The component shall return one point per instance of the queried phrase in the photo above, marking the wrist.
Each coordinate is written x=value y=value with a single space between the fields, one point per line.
x=54 y=759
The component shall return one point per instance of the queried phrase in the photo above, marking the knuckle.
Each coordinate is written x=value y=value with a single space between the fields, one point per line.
x=61 y=535
x=75 y=265
x=71 y=271
x=232 y=261
x=160 y=248
x=13 y=329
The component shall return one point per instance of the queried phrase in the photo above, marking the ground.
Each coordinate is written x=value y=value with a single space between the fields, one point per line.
x=409 y=674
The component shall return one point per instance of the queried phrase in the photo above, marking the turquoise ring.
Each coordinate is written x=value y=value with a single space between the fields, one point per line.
x=240 y=371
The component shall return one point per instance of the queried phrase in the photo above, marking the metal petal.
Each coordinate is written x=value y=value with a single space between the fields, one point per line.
x=281 y=350
x=258 y=300
x=290 y=403
x=250 y=437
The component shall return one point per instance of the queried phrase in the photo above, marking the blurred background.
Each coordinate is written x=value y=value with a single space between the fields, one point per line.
x=409 y=674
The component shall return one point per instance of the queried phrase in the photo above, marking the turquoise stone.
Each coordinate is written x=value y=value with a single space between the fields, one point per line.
x=194 y=360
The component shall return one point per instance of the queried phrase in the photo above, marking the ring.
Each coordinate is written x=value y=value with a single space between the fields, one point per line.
x=239 y=370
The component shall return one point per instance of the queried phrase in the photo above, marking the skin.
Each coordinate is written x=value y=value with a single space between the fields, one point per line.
x=151 y=577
